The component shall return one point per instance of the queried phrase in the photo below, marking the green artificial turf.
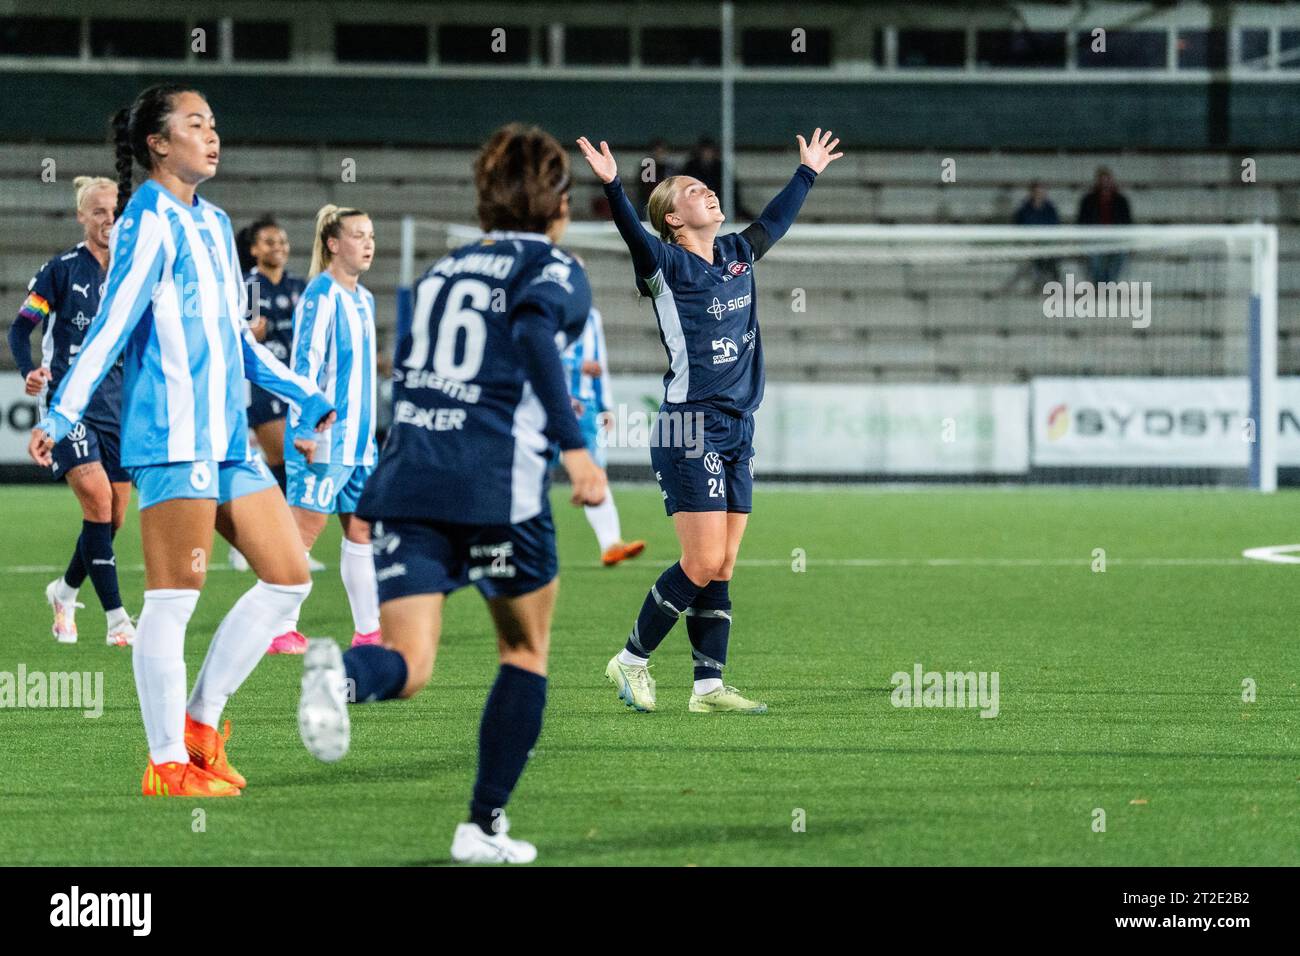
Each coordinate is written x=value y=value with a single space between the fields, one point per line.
x=1119 y=690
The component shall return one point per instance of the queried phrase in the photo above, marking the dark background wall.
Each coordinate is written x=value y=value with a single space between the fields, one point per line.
x=461 y=112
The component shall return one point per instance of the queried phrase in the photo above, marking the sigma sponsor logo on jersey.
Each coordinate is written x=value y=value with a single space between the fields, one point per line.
x=718 y=308
x=423 y=378
x=725 y=351
x=433 y=419
x=81 y=320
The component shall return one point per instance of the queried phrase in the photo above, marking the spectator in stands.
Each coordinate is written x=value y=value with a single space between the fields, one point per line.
x=1105 y=206
x=648 y=179
x=1038 y=210
x=705 y=164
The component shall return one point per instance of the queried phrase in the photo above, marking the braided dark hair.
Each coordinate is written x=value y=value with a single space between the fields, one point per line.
x=132 y=127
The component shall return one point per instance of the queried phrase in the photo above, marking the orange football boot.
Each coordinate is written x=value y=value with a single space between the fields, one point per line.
x=208 y=749
x=621 y=552
x=183 y=780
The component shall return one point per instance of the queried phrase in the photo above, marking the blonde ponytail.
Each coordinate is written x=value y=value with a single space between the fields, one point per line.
x=329 y=223
x=85 y=185
x=662 y=201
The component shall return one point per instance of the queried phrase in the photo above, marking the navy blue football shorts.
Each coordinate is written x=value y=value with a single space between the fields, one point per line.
x=438 y=557
x=708 y=468
x=88 y=443
x=264 y=407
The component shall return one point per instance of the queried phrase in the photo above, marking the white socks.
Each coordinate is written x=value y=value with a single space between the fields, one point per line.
x=708 y=685
x=357 y=568
x=241 y=640
x=290 y=623
x=117 y=616
x=159 y=662
x=603 y=519
x=632 y=660
x=63 y=592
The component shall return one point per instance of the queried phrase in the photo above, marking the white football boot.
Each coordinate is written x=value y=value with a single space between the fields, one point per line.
x=65 y=613
x=472 y=845
x=121 y=632
x=323 y=707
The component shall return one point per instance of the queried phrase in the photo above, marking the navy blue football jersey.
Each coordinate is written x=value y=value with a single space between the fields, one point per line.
x=709 y=325
x=467 y=443
x=276 y=301
x=63 y=297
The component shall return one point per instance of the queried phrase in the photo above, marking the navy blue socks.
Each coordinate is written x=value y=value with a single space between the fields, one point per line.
x=512 y=722
x=94 y=557
x=708 y=624
x=672 y=594
x=376 y=672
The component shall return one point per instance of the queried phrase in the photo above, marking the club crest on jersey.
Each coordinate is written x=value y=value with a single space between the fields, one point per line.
x=713 y=463
x=282 y=301
x=200 y=476
x=738 y=268
x=725 y=351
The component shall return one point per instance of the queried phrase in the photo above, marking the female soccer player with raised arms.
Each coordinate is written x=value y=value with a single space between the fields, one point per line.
x=460 y=492
x=702 y=287
x=174 y=308
x=63 y=298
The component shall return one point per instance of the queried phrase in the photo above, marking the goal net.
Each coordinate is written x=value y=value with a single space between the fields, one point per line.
x=1123 y=355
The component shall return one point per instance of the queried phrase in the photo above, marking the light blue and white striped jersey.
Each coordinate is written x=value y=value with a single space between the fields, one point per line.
x=593 y=392
x=334 y=348
x=175 y=302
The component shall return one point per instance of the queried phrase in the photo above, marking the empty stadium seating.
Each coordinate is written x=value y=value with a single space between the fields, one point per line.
x=885 y=323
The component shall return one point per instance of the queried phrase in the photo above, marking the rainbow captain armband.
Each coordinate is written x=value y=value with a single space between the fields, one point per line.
x=35 y=308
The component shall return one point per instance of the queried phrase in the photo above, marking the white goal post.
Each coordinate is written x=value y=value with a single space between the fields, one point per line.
x=931 y=306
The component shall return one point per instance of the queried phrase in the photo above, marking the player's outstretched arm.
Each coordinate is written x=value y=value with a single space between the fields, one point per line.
x=644 y=247
x=779 y=215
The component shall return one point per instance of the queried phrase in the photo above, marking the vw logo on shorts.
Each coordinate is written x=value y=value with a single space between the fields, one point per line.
x=78 y=431
x=712 y=463
x=200 y=475
x=381 y=542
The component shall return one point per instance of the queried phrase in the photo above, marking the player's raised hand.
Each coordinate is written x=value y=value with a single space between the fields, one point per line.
x=36 y=380
x=601 y=163
x=588 y=478
x=40 y=448
x=819 y=152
